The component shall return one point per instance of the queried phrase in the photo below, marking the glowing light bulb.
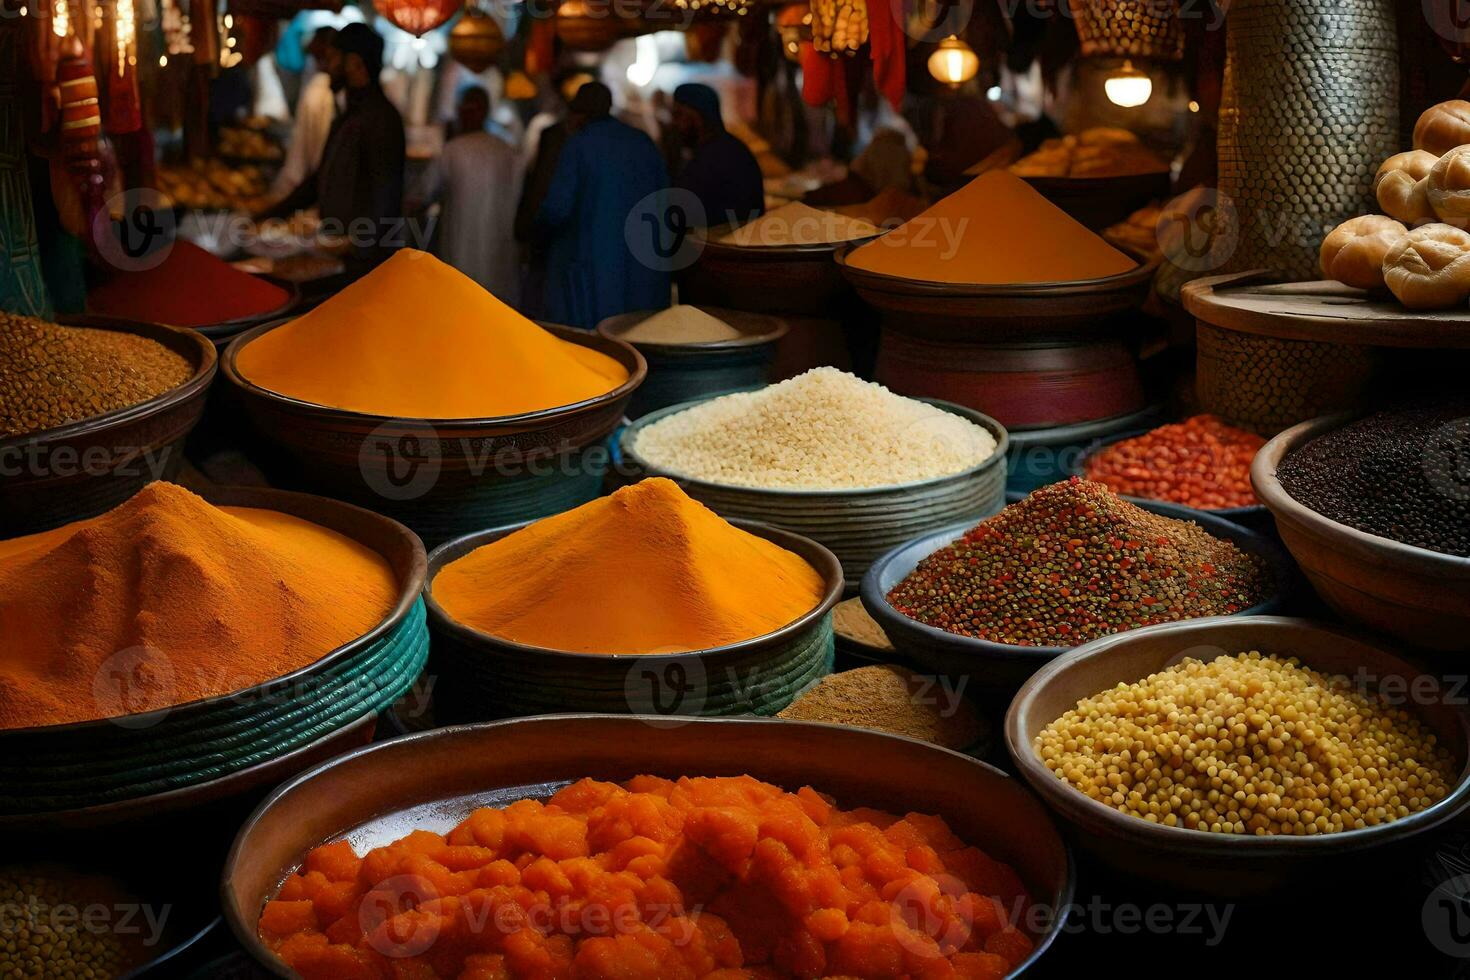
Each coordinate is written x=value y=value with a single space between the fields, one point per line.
x=60 y=18
x=1128 y=87
x=954 y=62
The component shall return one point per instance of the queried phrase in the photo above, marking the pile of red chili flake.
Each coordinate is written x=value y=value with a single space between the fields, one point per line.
x=1200 y=462
x=1073 y=562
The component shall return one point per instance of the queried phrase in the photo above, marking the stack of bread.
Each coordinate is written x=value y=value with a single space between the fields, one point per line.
x=1101 y=151
x=1419 y=248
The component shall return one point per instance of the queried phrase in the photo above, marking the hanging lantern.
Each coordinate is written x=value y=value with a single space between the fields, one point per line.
x=583 y=26
x=1127 y=87
x=954 y=62
x=476 y=41
x=417 y=17
x=1129 y=29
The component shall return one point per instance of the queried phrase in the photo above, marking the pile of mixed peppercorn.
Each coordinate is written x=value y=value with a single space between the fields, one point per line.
x=1073 y=562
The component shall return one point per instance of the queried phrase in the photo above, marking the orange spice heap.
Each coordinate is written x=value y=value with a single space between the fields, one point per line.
x=221 y=598
x=995 y=229
x=646 y=570
x=416 y=338
x=715 y=878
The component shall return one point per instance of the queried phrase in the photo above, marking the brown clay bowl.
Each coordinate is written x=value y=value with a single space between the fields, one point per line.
x=86 y=468
x=1420 y=596
x=483 y=677
x=1225 y=864
x=433 y=780
x=1016 y=312
x=799 y=280
x=333 y=439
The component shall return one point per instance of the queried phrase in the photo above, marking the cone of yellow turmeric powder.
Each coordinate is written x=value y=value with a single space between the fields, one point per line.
x=229 y=597
x=416 y=338
x=646 y=570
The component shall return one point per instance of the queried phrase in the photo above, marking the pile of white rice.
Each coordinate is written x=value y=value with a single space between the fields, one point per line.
x=823 y=430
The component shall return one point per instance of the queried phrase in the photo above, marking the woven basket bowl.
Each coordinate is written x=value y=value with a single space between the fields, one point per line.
x=484 y=677
x=1198 y=860
x=857 y=525
x=1420 y=596
x=86 y=468
x=433 y=780
x=158 y=750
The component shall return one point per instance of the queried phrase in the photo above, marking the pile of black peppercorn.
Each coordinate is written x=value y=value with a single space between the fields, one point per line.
x=1401 y=474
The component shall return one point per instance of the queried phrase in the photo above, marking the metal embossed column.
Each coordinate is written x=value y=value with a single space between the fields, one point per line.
x=1310 y=110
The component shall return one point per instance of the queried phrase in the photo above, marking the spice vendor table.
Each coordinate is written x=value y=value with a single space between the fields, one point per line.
x=1274 y=354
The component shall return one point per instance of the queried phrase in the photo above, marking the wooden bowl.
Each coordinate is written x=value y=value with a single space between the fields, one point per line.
x=86 y=468
x=1099 y=202
x=1005 y=666
x=800 y=280
x=90 y=764
x=461 y=474
x=433 y=780
x=683 y=372
x=1009 y=311
x=484 y=676
x=1417 y=595
x=859 y=525
x=1220 y=863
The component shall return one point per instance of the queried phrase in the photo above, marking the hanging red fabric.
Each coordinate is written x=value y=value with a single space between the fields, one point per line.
x=889 y=50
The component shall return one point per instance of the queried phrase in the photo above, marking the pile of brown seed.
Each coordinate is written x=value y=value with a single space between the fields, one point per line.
x=891 y=699
x=44 y=933
x=51 y=375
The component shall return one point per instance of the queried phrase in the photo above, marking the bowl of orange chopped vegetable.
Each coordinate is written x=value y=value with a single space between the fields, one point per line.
x=641 y=846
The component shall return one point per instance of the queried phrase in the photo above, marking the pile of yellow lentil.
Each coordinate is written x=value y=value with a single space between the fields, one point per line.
x=52 y=375
x=1248 y=744
x=44 y=932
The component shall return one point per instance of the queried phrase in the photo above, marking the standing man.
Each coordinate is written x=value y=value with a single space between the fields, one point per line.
x=477 y=180
x=359 y=184
x=720 y=171
x=315 y=110
x=605 y=176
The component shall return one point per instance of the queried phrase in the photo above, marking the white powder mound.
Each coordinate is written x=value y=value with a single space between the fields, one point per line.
x=823 y=430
